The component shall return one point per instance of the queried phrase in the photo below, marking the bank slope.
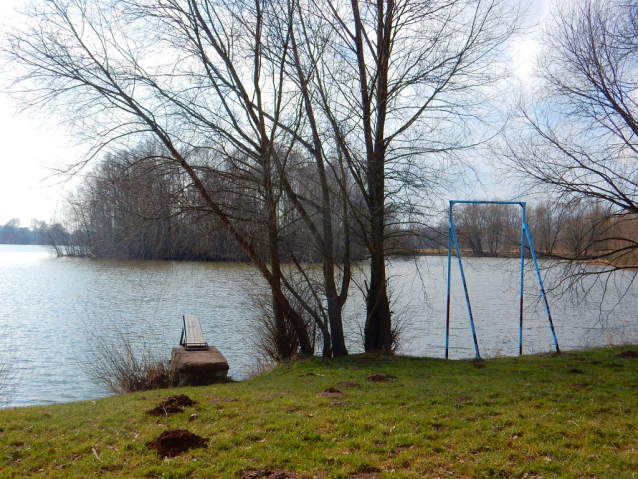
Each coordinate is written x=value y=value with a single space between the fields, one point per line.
x=363 y=417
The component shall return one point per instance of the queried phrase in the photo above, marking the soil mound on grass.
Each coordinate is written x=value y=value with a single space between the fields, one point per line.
x=381 y=378
x=164 y=410
x=269 y=473
x=182 y=401
x=460 y=399
x=331 y=393
x=174 y=442
x=171 y=405
x=216 y=400
x=630 y=353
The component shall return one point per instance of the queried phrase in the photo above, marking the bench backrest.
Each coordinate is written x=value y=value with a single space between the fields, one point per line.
x=192 y=335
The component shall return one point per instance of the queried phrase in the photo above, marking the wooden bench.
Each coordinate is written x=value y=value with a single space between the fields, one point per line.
x=192 y=335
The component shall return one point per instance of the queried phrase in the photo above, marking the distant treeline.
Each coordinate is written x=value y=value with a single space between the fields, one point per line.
x=13 y=233
x=136 y=205
x=584 y=230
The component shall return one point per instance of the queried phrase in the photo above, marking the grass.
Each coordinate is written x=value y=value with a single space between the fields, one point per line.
x=573 y=415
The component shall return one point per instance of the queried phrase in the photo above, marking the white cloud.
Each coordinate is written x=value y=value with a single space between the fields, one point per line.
x=527 y=47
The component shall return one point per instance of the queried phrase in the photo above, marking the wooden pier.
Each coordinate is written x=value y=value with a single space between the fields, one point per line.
x=195 y=362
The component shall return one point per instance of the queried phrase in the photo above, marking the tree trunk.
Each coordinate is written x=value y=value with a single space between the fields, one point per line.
x=378 y=328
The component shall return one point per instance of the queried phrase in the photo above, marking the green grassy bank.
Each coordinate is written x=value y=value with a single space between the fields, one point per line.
x=574 y=415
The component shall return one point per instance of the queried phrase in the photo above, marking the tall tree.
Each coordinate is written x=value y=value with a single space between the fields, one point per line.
x=577 y=138
x=398 y=83
x=367 y=92
x=110 y=70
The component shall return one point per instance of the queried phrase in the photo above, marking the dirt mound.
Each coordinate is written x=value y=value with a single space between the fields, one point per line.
x=630 y=353
x=460 y=399
x=331 y=393
x=269 y=473
x=381 y=378
x=576 y=371
x=215 y=400
x=182 y=400
x=164 y=410
x=171 y=405
x=369 y=472
x=174 y=442
x=348 y=384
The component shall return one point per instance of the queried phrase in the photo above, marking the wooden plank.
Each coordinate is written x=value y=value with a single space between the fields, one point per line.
x=193 y=335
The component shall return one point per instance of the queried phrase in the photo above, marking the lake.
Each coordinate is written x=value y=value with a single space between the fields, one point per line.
x=48 y=305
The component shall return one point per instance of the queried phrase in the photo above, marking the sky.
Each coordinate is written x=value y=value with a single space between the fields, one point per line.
x=34 y=145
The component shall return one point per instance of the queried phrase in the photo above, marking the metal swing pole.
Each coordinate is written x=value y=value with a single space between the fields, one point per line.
x=524 y=236
x=467 y=295
x=520 y=327
x=540 y=282
x=449 y=274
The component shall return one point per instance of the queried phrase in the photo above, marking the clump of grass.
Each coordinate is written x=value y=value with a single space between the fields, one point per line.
x=7 y=372
x=6 y=377
x=120 y=366
x=123 y=370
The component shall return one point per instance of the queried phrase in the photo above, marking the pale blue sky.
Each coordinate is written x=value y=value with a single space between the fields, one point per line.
x=32 y=145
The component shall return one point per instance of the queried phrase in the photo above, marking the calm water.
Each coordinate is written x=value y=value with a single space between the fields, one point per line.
x=47 y=304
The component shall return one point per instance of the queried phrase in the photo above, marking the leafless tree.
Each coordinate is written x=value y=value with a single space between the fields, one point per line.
x=242 y=96
x=488 y=229
x=546 y=221
x=577 y=136
x=103 y=66
x=398 y=84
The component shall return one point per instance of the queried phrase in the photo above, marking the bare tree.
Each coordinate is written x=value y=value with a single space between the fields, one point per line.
x=262 y=125
x=547 y=221
x=579 y=138
x=399 y=85
x=96 y=64
x=242 y=95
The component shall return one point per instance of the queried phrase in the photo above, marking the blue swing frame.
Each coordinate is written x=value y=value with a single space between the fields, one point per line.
x=524 y=236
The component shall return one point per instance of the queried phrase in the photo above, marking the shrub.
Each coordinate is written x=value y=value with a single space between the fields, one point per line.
x=120 y=366
x=6 y=376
